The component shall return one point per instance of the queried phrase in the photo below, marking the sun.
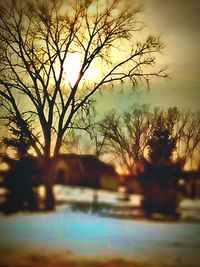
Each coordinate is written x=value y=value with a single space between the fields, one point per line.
x=72 y=68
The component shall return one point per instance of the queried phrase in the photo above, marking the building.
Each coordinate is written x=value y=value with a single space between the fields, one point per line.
x=84 y=170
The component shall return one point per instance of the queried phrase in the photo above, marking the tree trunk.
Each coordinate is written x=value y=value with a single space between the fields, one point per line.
x=49 y=194
x=49 y=173
x=48 y=182
x=58 y=145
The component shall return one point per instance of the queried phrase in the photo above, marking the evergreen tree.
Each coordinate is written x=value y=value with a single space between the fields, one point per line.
x=18 y=138
x=160 y=176
x=162 y=144
x=19 y=180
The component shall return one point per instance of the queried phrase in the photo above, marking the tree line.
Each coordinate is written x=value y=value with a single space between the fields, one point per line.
x=153 y=144
x=125 y=137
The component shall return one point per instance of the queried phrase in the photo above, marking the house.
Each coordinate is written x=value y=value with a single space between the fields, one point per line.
x=84 y=170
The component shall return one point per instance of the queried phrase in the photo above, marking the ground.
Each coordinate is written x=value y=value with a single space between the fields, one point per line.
x=73 y=238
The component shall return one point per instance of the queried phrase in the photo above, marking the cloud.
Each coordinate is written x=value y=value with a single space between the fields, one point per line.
x=178 y=23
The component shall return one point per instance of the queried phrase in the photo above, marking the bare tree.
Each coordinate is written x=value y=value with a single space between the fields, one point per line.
x=189 y=139
x=126 y=136
x=185 y=129
x=86 y=136
x=38 y=39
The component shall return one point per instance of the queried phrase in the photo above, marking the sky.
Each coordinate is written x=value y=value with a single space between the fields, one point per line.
x=178 y=24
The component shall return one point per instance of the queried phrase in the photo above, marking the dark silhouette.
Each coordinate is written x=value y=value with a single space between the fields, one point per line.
x=20 y=182
x=26 y=174
x=19 y=137
x=160 y=176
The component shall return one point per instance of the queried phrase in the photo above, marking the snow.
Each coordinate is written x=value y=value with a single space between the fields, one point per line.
x=190 y=204
x=190 y=209
x=81 y=194
x=89 y=235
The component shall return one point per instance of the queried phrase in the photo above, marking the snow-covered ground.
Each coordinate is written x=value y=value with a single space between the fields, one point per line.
x=188 y=208
x=81 y=194
x=76 y=234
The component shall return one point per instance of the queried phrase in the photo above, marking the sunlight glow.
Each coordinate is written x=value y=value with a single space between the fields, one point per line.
x=72 y=67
